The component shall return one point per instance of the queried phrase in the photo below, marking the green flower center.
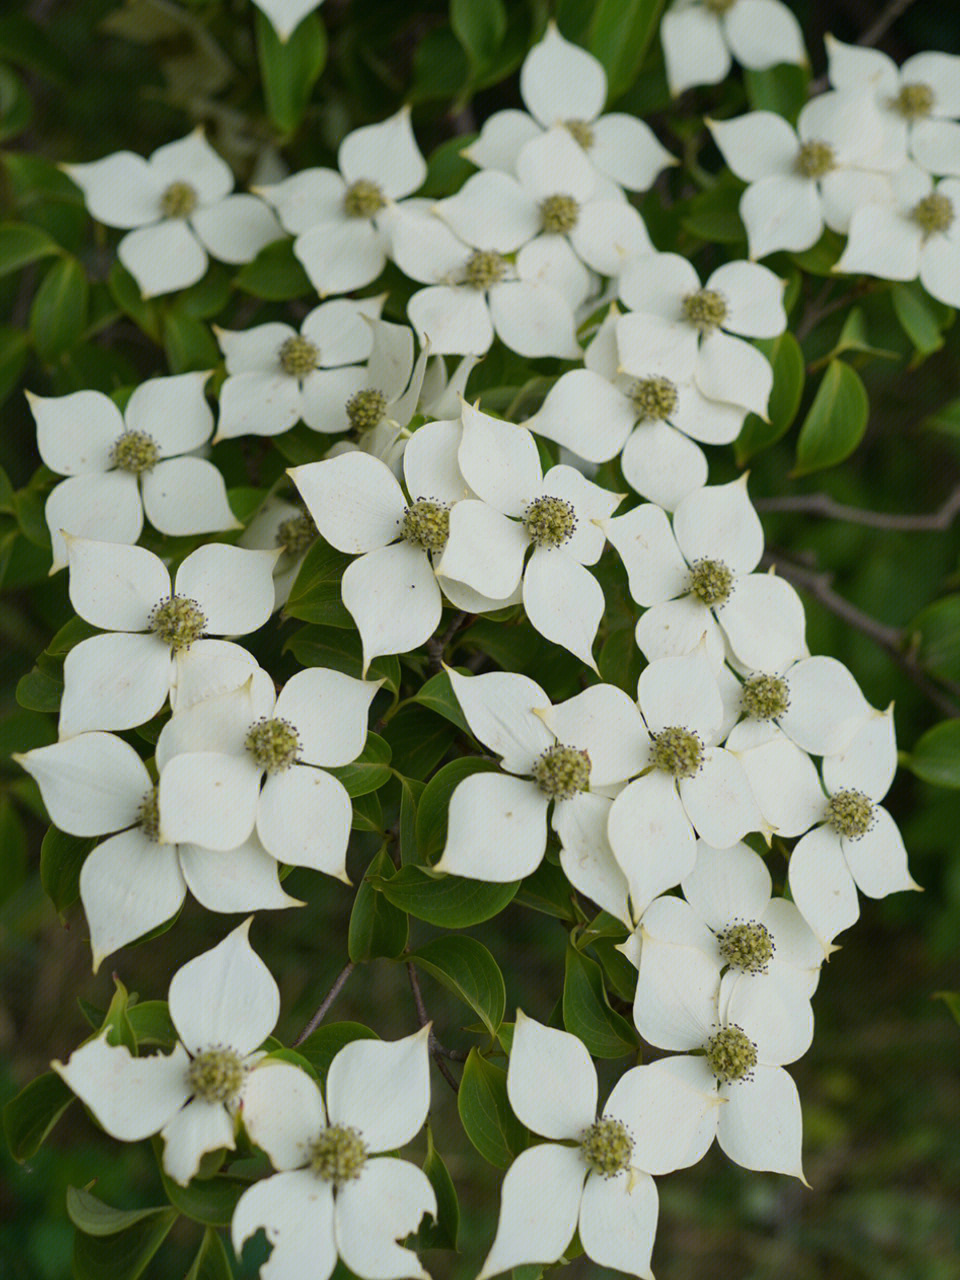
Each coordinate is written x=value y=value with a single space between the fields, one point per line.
x=747 y=946
x=765 y=697
x=366 y=408
x=711 y=582
x=732 y=1055
x=606 y=1147
x=148 y=815
x=654 y=399
x=562 y=772
x=216 y=1075
x=678 y=752
x=581 y=131
x=850 y=814
x=550 y=522
x=135 y=451
x=363 y=199
x=559 y=214
x=274 y=744
x=706 y=309
x=914 y=101
x=933 y=213
x=179 y=200
x=298 y=356
x=815 y=159
x=337 y=1154
x=484 y=268
x=426 y=524
x=178 y=621
x=296 y=534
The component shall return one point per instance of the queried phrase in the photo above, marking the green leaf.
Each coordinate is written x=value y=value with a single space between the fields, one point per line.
x=93 y=1217
x=14 y=353
x=212 y=1261
x=145 y=313
x=58 y=315
x=952 y=1000
x=189 y=344
x=466 y=968
x=936 y=757
x=853 y=337
x=448 y=901
x=315 y=646
x=619 y=36
x=289 y=69
x=410 y=792
x=548 y=890
x=21 y=244
x=485 y=1112
x=419 y=740
x=714 y=214
x=937 y=637
x=275 y=274
x=322 y=1046
x=368 y=814
x=370 y=771
x=16 y=105
x=377 y=927
x=315 y=594
x=620 y=661
x=587 y=1012
x=61 y=857
x=124 y=1256
x=151 y=1023
x=438 y=695
x=115 y=1020
x=40 y=691
x=435 y=802
x=442 y=1233
x=918 y=318
x=786 y=357
x=782 y=89
x=29 y=1117
x=480 y=26
x=835 y=422
x=210 y=1201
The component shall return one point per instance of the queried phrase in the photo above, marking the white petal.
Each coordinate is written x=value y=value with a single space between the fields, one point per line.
x=563 y=601
x=128 y=886
x=113 y=682
x=497 y=828
x=499 y=461
x=296 y=1210
x=826 y=706
x=662 y=465
x=822 y=886
x=424 y=247
x=936 y=145
x=843 y=191
x=454 y=319
x=727 y=884
x=731 y=369
x=585 y=414
x=381 y=1088
x=192 y=158
x=592 y=505
x=754 y=298
x=254 y=350
x=209 y=799
x=605 y=722
x=560 y=81
x=342 y=329
x=163 y=258
x=430 y=465
x=649 y=343
x=680 y=691
x=282 y=1111
x=678 y=627
x=187 y=495
x=385 y=153
x=172 y=410
x=354 y=498
x=219 y=722
x=719 y=801
x=785 y=782
x=671 y=1109
x=861 y=69
x=241 y=879
x=763 y=33
x=553 y=164
x=651 y=838
x=90 y=784
x=940 y=270
x=209 y=668
x=104 y=507
x=534 y=320
x=656 y=285
x=878 y=860
x=130 y=1097
x=586 y=858
x=304 y=819
x=627 y=150
x=942 y=72
x=120 y=190
x=187 y=1137
x=260 y=403
x=798 y=951
x=868 y=762
x=485 y=550
x=341 y=256
x=76 y=433
x=391 y=364
x=678 y=987
x=764 y=622
x=115 y=587
x=549 y=260
x=330 y=711
x=719 y=523
x=492 y=211
x=233 y=586
x=551 y=1080
x=760 y=1127
x=500 y=139
x=285 y=16
x=756 y=145
x=499 y=708
x=539 y=1207
x=382 y=1207
x=882 y=242
x=236 y=228
x=225 y=997
x=618 y=1221
x=393 y=597
x=693 y=47
x=774 y=1012
x=643 y=539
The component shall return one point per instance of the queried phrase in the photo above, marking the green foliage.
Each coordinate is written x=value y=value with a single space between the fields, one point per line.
x=466 y=968
x=485 y=1112
x=587 y=1012
x=835 y=422
x=290 y=68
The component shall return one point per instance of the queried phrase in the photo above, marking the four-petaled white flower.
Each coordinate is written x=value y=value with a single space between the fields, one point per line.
x=337 y=1192
x=179 y=206
x=122 y=464
x=223 y=1004
x=702 y=37
x=589 y=1175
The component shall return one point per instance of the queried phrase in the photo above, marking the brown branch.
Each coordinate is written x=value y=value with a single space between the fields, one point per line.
x=328 y=1000
x=821 y=504
x=436 y=646
x=437 y=1050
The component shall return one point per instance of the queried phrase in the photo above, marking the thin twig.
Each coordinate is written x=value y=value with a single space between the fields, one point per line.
x=436 y=1049
x=821 y=504
x=438 y=644
x=328 y=1000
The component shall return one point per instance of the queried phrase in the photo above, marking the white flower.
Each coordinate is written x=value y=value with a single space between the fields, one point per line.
x=519 y=507
x=587 y=1177
x=574 y=756
x=213 y=757
x=179 y=205
x=679 y=330
x=95 y=784
x=336 y=1192
x=920 y=102
x=120 y=464
x=836 y=160
x=277 y=376
x=339 y=218
x=858 y=844
x=562 y=84
x=915 y=235
x=224 y=1004
x=689 y=786
x=122 y=680
x=596 y=412
x=697 y=579
x=701 y=38
x=286 y=15
x=282 y=524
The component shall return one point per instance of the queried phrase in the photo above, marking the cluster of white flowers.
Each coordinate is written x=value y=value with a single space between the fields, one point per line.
x=736 y=736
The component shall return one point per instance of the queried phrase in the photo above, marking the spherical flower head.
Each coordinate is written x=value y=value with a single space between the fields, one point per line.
x=216 y=1075
x=606 y=1147
x=426 y=524
x=550 y=522
x=914 y=101
x=654 y=399
x=562 y=772
x=850 y=814
x=747 y=945
x=710 y=582
x=179 y=200
x=148 y=815
x=705 y=309
x=296 y=534
x=337 y=1154
x=484 y=268
x=274 y=744
x=135 y=451
x=559 y=214
x=677 y=751
x=764 y=697
x=934 y=213
x=178 y=621
x=363 y=199
x=298 y=356
x=366 y=409
x=731 y=1054
x=581 y=131
x=815 y=159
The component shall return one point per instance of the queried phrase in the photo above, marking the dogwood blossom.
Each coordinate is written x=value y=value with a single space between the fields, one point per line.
x=702 y=37
x=337 y=1192
x=286 y=15
x=224 y=1004
x=121 y=680
x=122 y=464
x=588 y=1177
x=286 y=525
x=179 y=206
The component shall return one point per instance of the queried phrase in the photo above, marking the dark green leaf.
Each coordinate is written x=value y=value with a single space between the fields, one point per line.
x=485 y=1112
x=290 y=68
x=620 y=661
x=124 y=1256
x=620 y=34
x=548 y=890
x=93 y=1217
x=369 y=771
x=29 y=1117
x=410 y=792
x=936 y=757
x=21 y=244
x=435 y=802
x=437 y=694
x=151 y=1023
x=377 y=927
x=40 y=691
x=952 y=1000
x=835 y=422
x=937 y=630
x=212 y=1261
x=480 y=26
x=448 y=901
x=61 y=857
x=467 y=969
x=918 y=318
x=786 y=358
x=315 y=646
x=782 y=89
x=58 y=315
x=587 y=1012
x=442 y=1233
x=315 y=595
x=14 y=353
x=275 y=274
x=145 y=313
x=189 y=344
x=210 y=1201
x=115 y=1020
x=714 y=214
x=419 y=740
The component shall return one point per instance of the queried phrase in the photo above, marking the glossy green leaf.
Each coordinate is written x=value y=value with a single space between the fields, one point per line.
x=315 y=595
x=442 y=1233
x=466 y=968
x=918 y=317
x=435 y=802
x=40 y=690
x=377 y=927
x=936 y=757
x=61 y=857
x=116 y=1024
x=144 y=312
x=21 y=244
x=210 y=1201
x=14 y=353
x=336 y=647
x=714 y=214
x=480 y=26
x=835 y=422
x=31 y=1114
x=419 y=740
x=275 y=274
x=124 y=1256
x=620 y=34
x=786 y=358
x=410 y=792
x=93 y=1217
x=448 y=901
x=437 y=694
x=58 y=315
x=485 y=1112
x=781 y=89
x=151 y=1023
x=188 y=343
x=587 y=1012
x=212 y=1261
x=936 y=630
x=290 y=68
